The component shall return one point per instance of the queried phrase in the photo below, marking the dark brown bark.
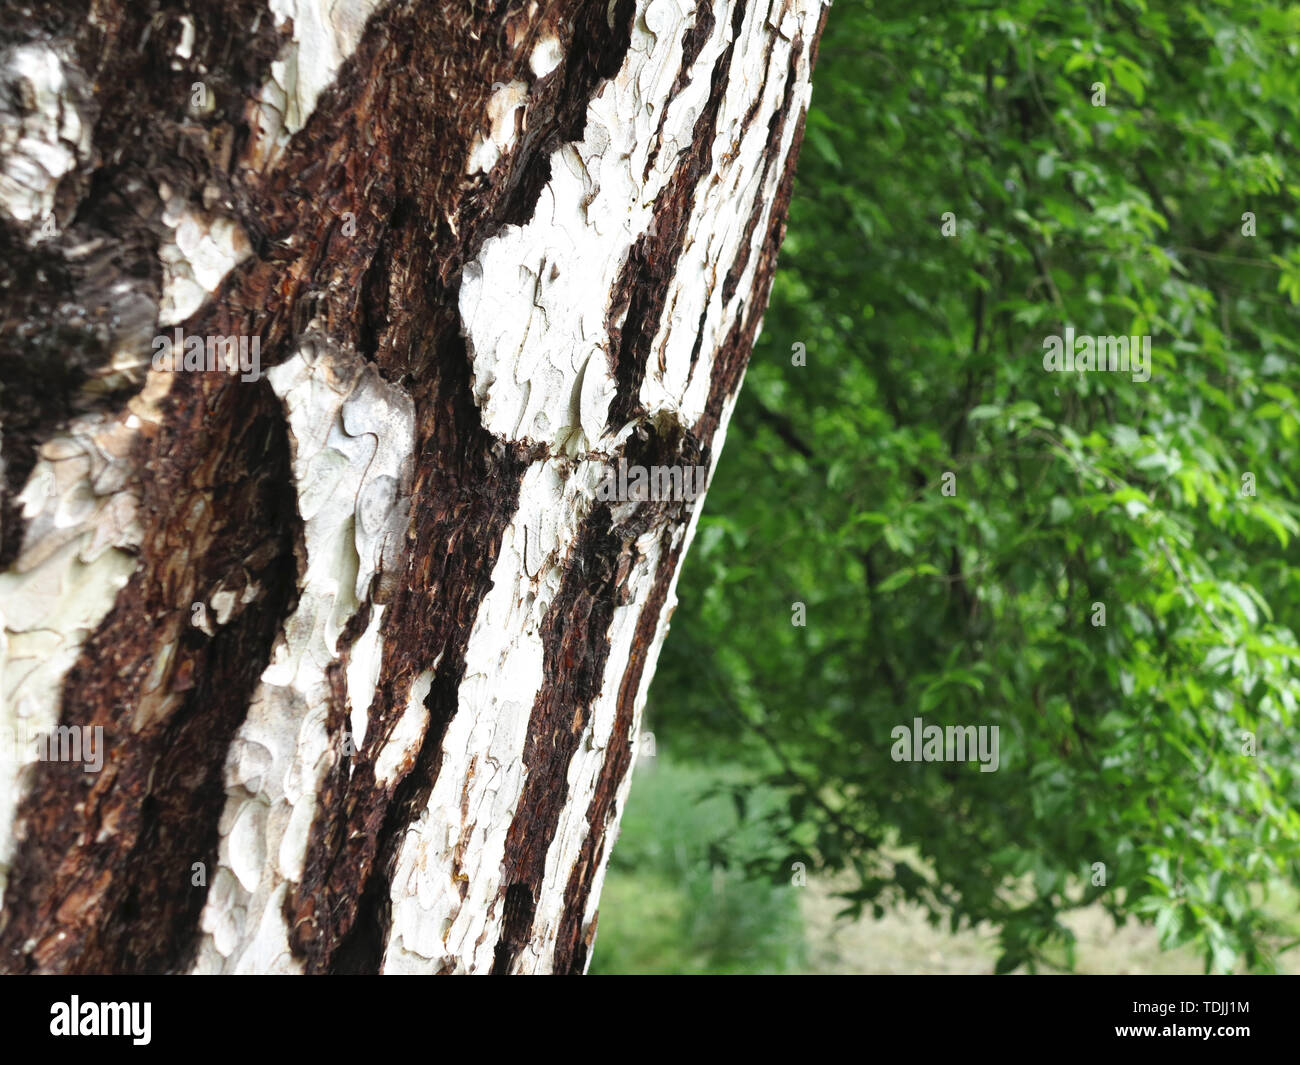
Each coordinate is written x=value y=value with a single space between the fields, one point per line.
x=359 y=233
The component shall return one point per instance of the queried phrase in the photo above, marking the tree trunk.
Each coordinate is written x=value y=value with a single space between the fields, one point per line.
x=324 y=649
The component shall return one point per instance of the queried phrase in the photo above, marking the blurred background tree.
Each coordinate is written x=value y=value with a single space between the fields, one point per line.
x=1122 y=168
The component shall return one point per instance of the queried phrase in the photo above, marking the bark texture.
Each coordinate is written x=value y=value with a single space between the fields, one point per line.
x=367 y=647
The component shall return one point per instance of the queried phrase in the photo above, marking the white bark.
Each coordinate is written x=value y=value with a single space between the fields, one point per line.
x=353 y=442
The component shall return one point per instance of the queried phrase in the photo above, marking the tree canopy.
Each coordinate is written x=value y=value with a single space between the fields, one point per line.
x=1102 y=566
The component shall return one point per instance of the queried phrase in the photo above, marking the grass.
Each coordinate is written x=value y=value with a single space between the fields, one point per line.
x=666 y=908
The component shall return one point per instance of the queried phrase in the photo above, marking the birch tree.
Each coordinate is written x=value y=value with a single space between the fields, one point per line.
x=323 y=327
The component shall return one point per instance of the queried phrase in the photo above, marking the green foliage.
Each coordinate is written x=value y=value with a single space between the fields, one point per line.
x=675 y=902
x=1121 y=743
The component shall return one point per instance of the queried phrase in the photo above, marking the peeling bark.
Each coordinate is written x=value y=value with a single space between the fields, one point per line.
x=367 y=643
